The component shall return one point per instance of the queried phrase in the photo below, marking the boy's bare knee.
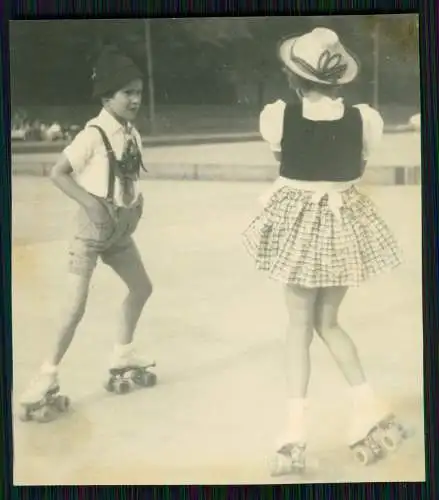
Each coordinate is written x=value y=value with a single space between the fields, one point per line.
x=142 y=292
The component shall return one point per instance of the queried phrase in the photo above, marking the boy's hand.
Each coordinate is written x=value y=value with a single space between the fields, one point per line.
x=98 y=212
x=62 y=178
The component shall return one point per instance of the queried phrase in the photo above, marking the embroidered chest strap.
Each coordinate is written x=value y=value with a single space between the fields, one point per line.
x=132 y=154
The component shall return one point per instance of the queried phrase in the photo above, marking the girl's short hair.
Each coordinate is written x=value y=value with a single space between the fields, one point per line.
x=299 y=83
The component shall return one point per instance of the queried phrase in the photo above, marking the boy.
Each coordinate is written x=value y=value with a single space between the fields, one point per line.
x=100 y=171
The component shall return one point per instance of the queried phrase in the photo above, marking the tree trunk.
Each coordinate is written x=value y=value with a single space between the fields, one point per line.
x=376 y=65
x=149 y=63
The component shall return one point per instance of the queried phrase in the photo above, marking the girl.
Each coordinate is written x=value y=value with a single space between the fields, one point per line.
x=317 y=234
x=100 y=171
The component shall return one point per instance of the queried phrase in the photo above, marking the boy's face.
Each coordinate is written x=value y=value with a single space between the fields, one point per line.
x=125 y=103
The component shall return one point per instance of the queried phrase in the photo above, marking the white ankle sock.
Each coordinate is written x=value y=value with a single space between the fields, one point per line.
x=296 y=406
x=122 y=349
x=361 y=390
x=296 y=418
x=362 y=394
x=49 y=368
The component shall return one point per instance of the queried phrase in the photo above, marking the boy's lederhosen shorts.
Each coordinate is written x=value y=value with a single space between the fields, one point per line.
x=105 y=239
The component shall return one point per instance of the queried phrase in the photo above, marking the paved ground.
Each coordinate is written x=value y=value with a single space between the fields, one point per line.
x=215 y=328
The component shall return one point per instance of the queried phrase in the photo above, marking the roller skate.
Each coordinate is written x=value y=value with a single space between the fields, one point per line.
x=128 y=371
x=42 y=402
x=289 y=459
x=291 y=445
x=374 y=433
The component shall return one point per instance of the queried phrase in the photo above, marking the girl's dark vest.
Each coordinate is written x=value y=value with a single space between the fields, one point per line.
x=322 y=150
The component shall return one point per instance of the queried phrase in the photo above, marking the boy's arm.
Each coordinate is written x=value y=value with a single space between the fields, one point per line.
x=61 y=176
x=74 y=159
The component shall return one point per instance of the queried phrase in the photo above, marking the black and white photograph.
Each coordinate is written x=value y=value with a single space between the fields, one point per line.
x=217 y=250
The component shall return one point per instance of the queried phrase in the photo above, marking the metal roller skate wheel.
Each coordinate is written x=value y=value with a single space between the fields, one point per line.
x=145 y=378
x=109 y=385
x=391 y=439
x=364 y=455
x=151 y=379
x=24 y=414
x=62 y=403
x=121 y=386
x=44 y=415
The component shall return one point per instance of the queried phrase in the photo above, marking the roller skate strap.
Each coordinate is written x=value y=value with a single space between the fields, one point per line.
x=35 y=405
x=128 y=368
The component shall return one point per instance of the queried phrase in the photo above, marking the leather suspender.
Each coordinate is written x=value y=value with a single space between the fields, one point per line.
x=111 y=162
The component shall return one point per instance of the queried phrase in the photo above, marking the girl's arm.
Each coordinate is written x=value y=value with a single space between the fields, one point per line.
x=271 y=126
x=277 y=156
x=373 y=126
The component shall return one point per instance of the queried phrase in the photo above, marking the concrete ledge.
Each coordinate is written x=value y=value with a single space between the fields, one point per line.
x=23 y=147
x=389 y=175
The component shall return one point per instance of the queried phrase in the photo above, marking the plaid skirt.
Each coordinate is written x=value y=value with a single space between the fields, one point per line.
x=300 y=242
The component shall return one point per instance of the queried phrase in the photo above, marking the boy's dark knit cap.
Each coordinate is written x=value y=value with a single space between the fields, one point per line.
x=113 y=70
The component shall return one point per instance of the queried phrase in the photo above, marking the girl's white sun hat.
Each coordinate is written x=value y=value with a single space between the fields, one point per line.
x=320 y=57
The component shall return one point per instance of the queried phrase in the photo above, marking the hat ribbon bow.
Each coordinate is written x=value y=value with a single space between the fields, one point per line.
x=329 y=66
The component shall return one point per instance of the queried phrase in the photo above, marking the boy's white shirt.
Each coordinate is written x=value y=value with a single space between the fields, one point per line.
x=88 y=157
x=320 y=108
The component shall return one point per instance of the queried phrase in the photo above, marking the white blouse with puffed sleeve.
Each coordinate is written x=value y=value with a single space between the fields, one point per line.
x=318 y=109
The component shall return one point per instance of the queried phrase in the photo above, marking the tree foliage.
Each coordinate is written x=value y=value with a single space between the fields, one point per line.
x=201 y=58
